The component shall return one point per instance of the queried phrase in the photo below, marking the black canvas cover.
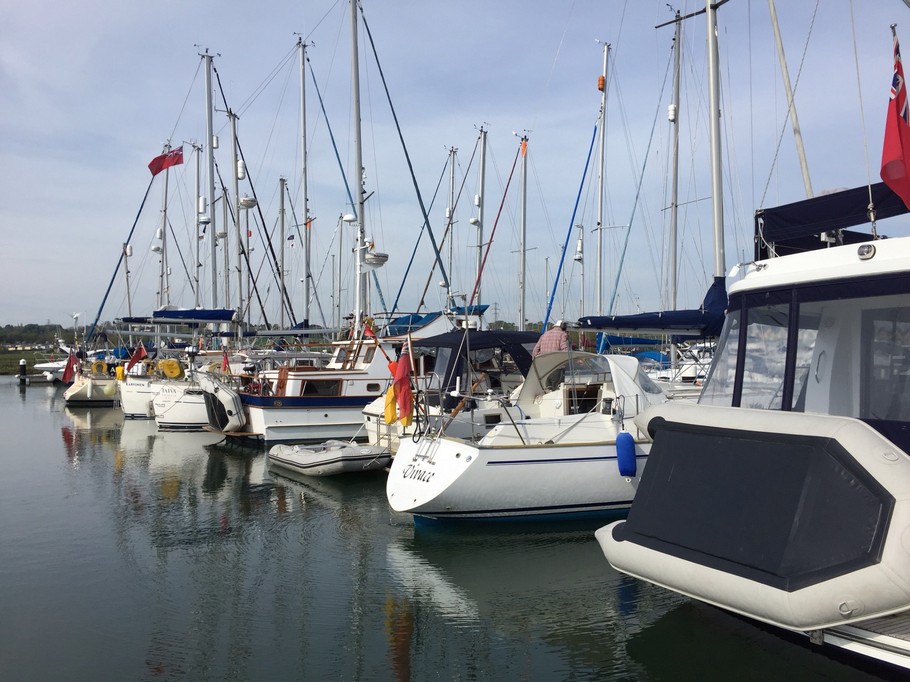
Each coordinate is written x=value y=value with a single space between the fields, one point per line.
x=783 y=510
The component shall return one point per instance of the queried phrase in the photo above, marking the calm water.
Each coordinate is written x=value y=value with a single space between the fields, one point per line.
x=127 y=554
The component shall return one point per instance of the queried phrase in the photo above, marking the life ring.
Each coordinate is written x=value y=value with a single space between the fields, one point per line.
x=99 y=367
x=172 y=368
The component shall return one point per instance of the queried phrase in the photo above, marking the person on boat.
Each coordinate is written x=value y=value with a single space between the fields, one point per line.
x=554 y=340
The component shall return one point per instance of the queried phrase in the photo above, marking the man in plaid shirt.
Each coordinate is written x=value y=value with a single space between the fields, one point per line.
x=554 y=340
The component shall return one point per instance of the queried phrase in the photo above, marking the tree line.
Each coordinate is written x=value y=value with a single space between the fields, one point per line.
x=20 y=334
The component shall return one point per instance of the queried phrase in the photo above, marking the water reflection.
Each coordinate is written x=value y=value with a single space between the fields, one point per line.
x=551 y=587
x=166 y=555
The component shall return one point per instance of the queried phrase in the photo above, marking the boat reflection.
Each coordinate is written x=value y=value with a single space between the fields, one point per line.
x=502 y=582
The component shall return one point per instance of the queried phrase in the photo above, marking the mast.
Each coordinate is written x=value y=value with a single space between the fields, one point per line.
x=791 y=104
x=523 y=223
x=717 y=197
x=360 y=292
x=196 y=152
x=602 y=86
x=235 y=208
x=210 y=158
x=450 y=219
x=164 y=295
x=281 y=236
x=478 y=201
x=301 y=46
x=673 y=116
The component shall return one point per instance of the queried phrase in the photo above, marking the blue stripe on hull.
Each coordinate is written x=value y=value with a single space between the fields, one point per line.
x=529 y=515
x=315 y=402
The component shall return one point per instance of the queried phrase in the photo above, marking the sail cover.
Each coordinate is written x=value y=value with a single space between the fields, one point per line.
x=705 y=321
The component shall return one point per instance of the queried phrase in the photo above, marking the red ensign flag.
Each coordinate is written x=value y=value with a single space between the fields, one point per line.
x=139 y=354
x=172 y=158
x=896 y=150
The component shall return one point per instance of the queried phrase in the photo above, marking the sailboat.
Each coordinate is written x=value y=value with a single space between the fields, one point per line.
x=307 y=403
x=784 y=494
x=563 y=450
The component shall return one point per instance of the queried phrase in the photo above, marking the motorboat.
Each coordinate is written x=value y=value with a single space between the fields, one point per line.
x=567 y=448
x=784 y=494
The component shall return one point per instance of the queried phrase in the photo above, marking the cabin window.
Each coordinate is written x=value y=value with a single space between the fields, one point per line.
x=847 y=353
x=806 y=337
x=765 y=357
x=321 y=387
x=442 y=371
x=647 y=384
x=373 y=388
x=886 y=356
x=368 y=356
x=718 y=388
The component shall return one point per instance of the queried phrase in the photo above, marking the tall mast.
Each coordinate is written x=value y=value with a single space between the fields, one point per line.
x=235 y=208
x=523 y=223
x=794 y=120
x=210 y=158
x=673 y=116
x=602 y=85
x=479 y=203
x=717 y=197
x=450 y=219
x=164 y=295
x=360 y=290
x=283 y=242
x=301 y=47
x=197 y=149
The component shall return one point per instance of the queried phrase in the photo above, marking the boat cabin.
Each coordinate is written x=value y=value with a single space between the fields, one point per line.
x=823 y=332
x=567 y=383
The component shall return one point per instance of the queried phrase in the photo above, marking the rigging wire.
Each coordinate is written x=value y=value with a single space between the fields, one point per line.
x=423 y=209
x=625 y=245
x=483 y=262
x=449 y=231
x=570 y=231
x=780 y=137
x=862 y=118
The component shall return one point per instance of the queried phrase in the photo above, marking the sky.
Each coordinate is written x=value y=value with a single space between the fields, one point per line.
x=93 y=91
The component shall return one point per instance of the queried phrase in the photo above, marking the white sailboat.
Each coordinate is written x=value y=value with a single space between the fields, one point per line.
x=563 y=451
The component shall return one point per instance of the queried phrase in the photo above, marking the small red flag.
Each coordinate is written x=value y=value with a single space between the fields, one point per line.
x=225 y=365
x=895 y=170
x=69 y=370
x=138 y=354
x=402 y=385
x=173 y=157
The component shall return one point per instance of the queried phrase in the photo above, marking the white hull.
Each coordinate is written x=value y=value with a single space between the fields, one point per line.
x=330 y=459
x=88 y=390
x=452 y=479
x=847 y=596
x=136 y=394
x=314 y=425
x=180 y=406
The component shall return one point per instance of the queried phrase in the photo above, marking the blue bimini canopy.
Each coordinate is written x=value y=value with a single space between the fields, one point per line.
x=796 y=227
